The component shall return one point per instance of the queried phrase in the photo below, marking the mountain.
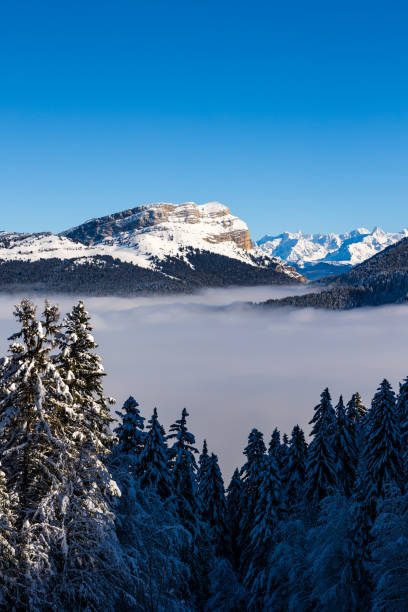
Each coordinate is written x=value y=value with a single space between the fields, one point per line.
x=319 y=255
x=153 y=248
x=382 y=279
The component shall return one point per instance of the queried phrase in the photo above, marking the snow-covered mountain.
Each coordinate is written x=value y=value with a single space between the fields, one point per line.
x=178 y=246
x=320 y=254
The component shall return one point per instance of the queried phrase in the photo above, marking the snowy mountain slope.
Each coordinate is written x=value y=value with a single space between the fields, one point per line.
x=183 y=246
x=307 y=251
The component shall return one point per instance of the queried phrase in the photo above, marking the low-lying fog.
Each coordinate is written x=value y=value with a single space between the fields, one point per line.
x=237 y=368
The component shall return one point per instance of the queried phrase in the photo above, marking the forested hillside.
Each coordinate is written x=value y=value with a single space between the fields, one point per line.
x=103 y=515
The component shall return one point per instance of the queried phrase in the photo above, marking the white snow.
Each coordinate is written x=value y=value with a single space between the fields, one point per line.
x=207 y=227
x=350 y=248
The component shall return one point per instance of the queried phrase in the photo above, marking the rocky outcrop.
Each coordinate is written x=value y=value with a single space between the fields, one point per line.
x=218 y=225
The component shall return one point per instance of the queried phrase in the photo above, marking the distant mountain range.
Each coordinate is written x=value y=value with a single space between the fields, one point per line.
x=380 y=280
x=153 y=248
x=319 y=255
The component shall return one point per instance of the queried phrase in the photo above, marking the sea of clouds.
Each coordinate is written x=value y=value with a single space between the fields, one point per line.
x=234 y=367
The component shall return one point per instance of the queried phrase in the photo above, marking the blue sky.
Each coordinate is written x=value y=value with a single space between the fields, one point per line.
x=295 y=114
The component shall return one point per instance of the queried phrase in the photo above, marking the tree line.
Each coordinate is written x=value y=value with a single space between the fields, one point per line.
x=93 y=519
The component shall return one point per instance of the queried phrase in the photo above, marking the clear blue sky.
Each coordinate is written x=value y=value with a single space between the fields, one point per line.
x=295 y=114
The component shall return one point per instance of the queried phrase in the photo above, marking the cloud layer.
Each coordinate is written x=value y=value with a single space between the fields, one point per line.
x=236 y=368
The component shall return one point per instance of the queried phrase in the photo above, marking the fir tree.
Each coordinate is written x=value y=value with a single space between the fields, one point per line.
x=296 y=474
x=130 y=434
x=275 y=444
x=8 y=545
x=267 y=513
x=203 y=462
x=389 y=551
x=235 y=493
x=345 y=450
x=153 y=469
x=383 y=450
x=320 y=471
x=334 y=559
x=184 y=474
x=402 y=414
x=35 y=430
x=251 y=474
x=356 y=411
x=83 y=372
x=213 y=505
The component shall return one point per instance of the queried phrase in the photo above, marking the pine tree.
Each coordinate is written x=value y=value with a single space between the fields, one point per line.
x=345 y=450
x=184 y=474
x=35 y=434
x=356 y=411
x=389 y=551
x=320 y=471
x=251 y=474
x=235 y=493
x=402 y=414
x=383 y=450
x=203 y=462
x=8 y=545
x=335 y=560
x=275 y=444
x=213 y=505
x=296 y=474
x=153 y=469
x=83 y=372
x=130 y=435
x=267 y=513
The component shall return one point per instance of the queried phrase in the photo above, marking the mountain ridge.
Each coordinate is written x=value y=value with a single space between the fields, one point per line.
x=183 y=246
x=318 y=255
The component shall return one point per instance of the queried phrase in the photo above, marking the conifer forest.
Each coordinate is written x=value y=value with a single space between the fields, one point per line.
x=116 y=514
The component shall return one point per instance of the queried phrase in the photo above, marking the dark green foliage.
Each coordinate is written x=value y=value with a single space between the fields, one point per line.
x=321 y=473
x=153 y=469
x=296 y=472
x=130 y=432
x=345 y=450
x=383 y=450
x=214 y=506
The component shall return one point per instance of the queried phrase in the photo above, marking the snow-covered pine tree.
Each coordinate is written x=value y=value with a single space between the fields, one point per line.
x=320 y=469
x=383 y=449
x=213 y=505
x=130 y=432
x=202 y=463
x=199 y=553
x=35 y=451
x=275 y=444
x=8 y=545
x=262 y=536
x=389 y=550
x=235 y=493
x=356 y=410
x=335 y=560
x=296 y=473
x=283 y=460
x=153 y=468
x=83 y=372
x=184 y=472
x=402 y=413
x=345 y=450
x=251 y=475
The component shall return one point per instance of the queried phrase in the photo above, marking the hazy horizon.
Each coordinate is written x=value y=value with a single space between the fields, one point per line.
x=237 y=368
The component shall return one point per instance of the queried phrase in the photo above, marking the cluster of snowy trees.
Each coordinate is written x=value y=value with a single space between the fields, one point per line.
x=130 y=520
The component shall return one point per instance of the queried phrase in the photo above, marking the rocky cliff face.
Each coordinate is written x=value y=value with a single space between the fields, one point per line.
x=213 y=222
